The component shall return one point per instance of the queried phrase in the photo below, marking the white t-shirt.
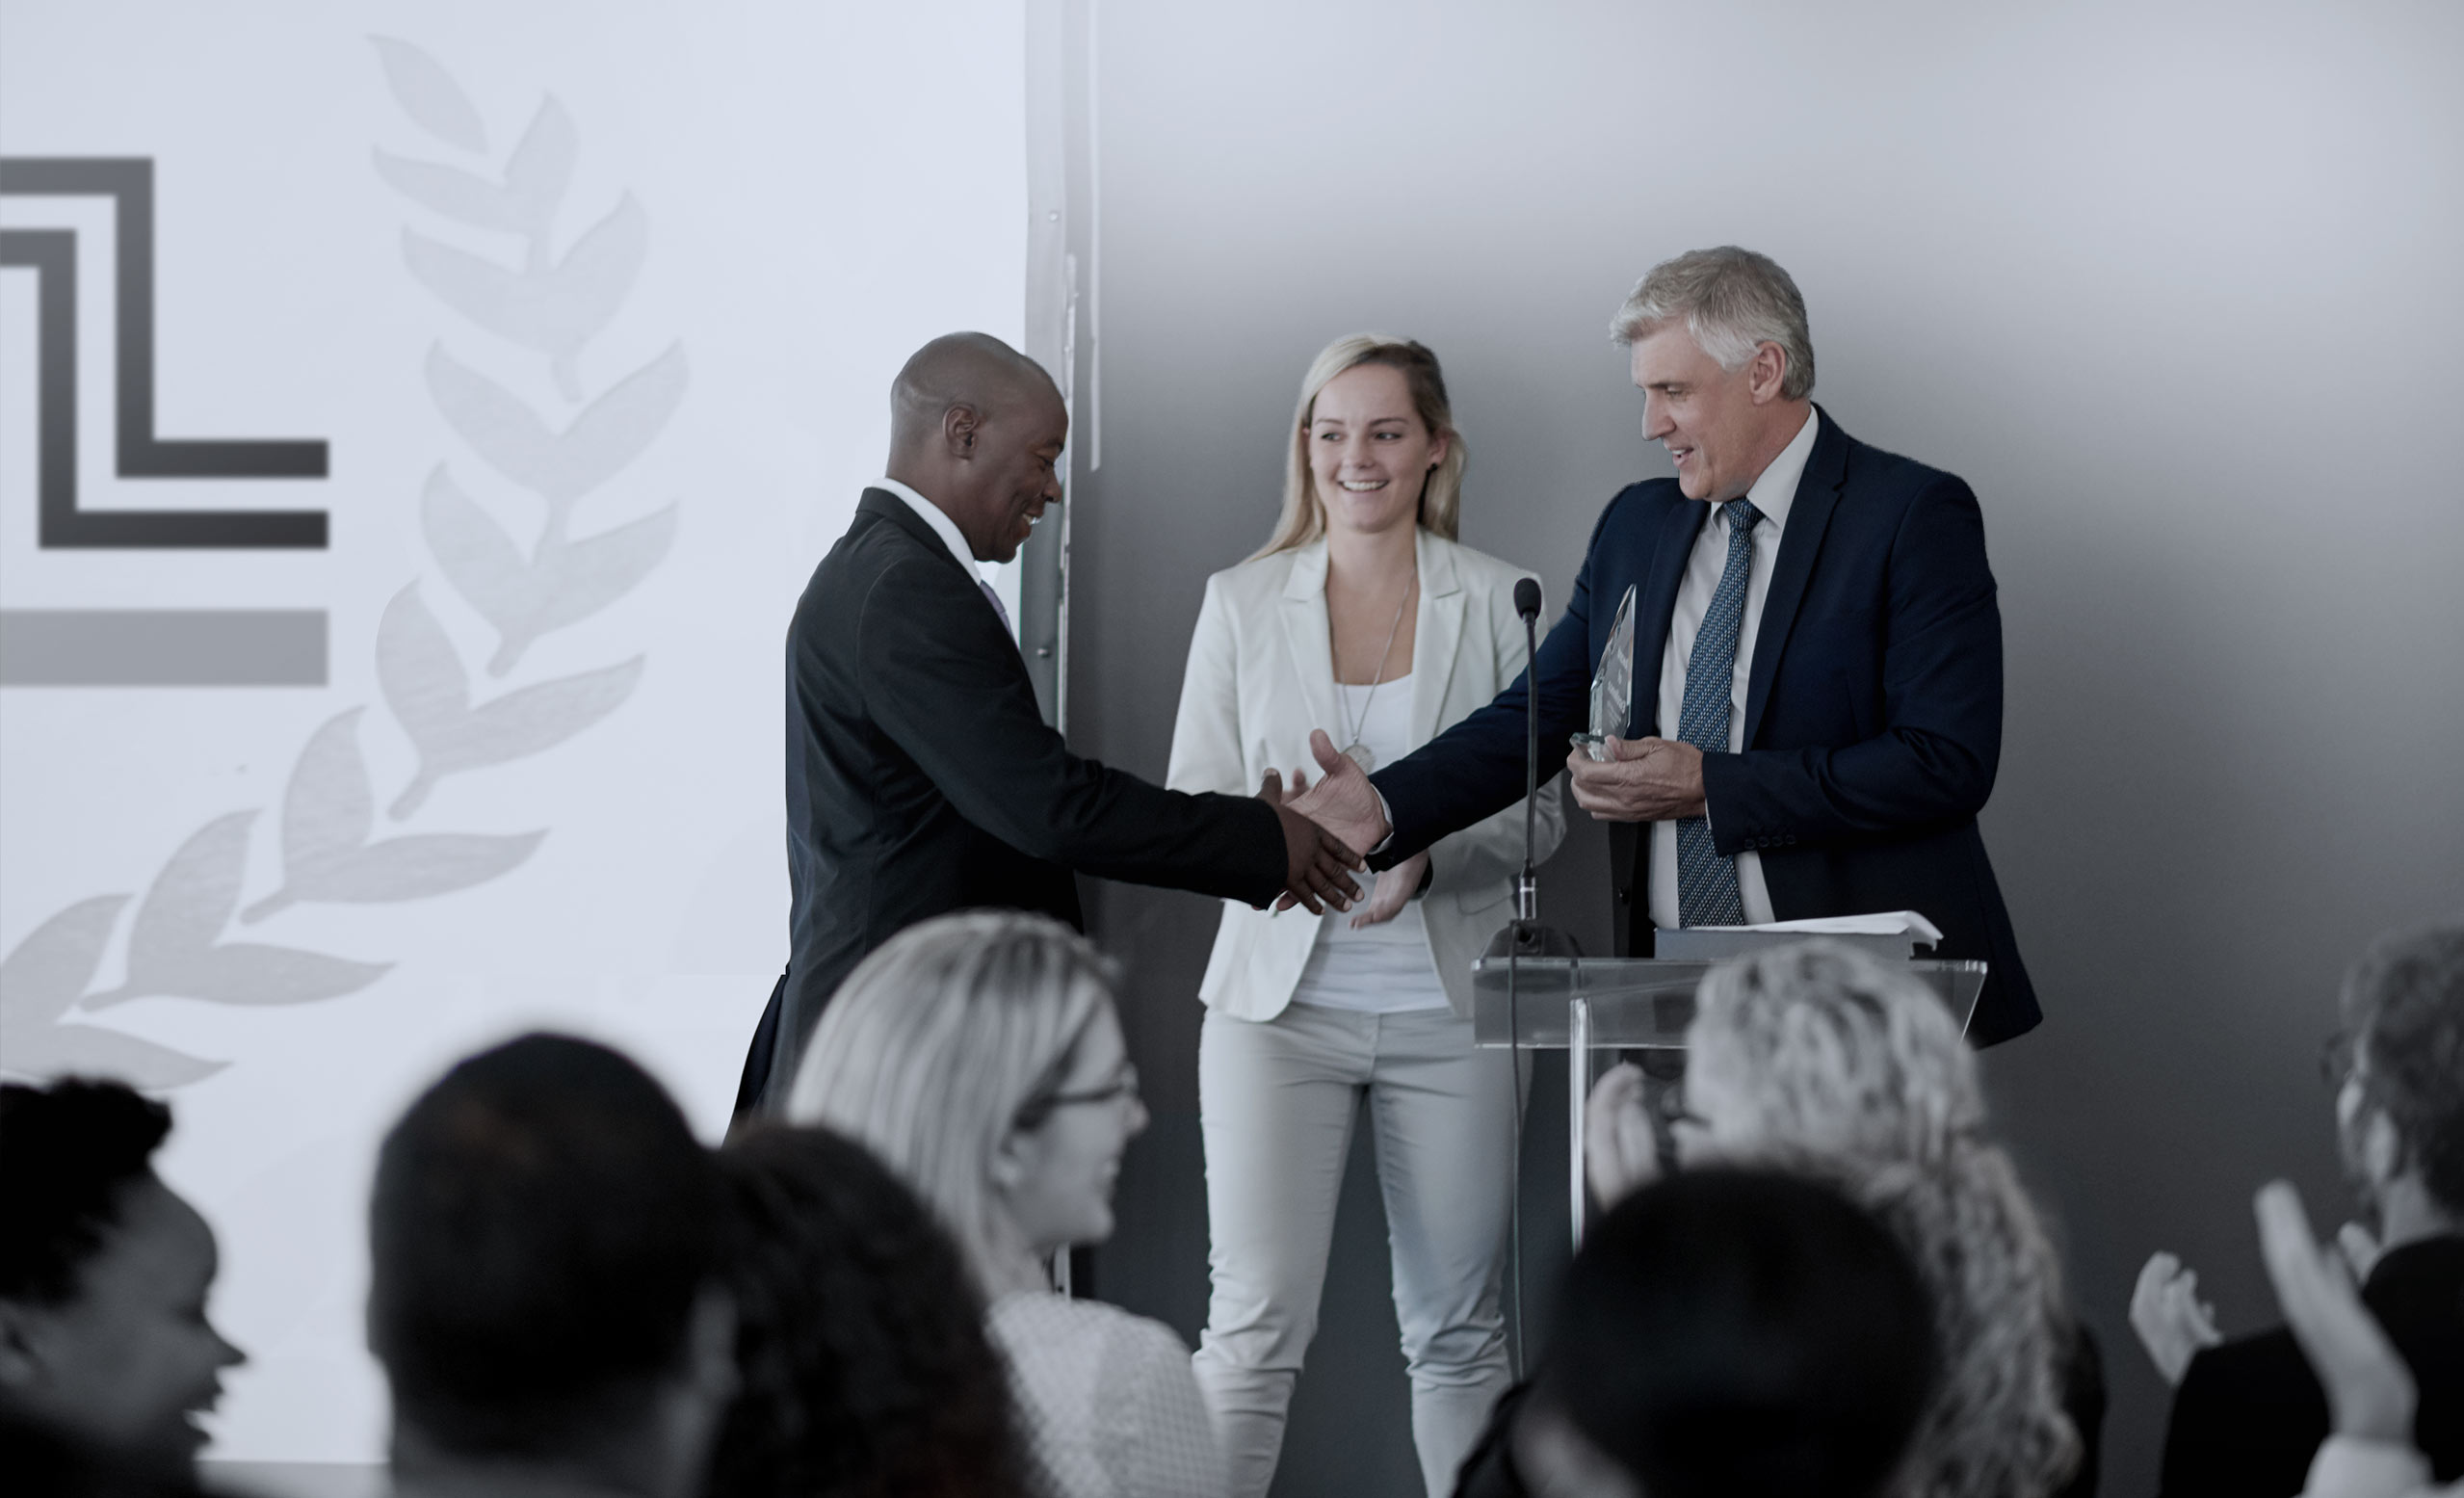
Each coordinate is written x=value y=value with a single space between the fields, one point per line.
x=1383 y=969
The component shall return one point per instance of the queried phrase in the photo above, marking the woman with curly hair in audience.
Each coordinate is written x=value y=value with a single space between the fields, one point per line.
x=1821 y=1058
x=860 y=1337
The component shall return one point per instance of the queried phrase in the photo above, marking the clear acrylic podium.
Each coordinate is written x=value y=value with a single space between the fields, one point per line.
x=1583 y=1006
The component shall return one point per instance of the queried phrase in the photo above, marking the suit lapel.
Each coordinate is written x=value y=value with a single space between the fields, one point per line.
x=1655 y=600
x=1436 y=631
x=1305 y=635
x=1809 y=515
x=889 y=507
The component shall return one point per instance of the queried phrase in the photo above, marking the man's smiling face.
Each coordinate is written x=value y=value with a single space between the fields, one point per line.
x=1020 y=447
x=1703 y=414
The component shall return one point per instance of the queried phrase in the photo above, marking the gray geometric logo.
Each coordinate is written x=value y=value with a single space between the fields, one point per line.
x=328 y=841
x=52 y=253
x=140 y=646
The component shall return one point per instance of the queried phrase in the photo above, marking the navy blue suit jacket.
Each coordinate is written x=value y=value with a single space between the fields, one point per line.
x=1873 y=710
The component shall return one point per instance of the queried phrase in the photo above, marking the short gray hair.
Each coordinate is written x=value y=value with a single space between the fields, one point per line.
x=939 y=1045
x=1733 y=301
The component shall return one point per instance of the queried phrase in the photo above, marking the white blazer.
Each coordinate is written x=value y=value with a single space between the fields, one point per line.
x=1261 y=676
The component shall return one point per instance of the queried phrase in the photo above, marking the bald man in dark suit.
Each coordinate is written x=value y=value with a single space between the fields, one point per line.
x=921 y=775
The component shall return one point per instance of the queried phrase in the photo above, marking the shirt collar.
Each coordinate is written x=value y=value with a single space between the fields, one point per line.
x=943 y=526
x=1775 y=490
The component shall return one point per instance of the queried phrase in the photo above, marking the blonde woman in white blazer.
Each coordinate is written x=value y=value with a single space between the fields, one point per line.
x=1362 y=616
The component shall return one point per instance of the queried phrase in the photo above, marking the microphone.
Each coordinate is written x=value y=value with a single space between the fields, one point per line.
x=1527 y=603
x=1524 y=935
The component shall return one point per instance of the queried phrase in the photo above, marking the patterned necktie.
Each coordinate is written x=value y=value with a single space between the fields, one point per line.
x=1707 y=882
x=994 y=598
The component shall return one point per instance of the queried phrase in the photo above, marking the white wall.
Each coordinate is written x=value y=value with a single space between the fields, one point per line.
x=822 y=188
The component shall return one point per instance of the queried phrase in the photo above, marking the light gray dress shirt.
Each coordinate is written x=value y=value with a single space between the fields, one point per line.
x=1772 y=494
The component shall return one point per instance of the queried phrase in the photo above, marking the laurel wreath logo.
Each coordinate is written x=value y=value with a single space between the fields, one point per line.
x=552 y=306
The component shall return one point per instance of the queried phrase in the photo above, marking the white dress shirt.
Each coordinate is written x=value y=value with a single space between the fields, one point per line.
x=946 y=529
x=1772 y=494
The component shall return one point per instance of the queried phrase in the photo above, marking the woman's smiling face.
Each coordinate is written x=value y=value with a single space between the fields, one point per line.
x=1369 y=451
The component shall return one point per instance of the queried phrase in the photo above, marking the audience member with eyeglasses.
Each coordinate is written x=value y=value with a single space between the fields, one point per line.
x=2249 y=1413
x=979 y=1055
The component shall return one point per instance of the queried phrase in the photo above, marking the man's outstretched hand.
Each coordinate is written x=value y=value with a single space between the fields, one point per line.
x=1342 y=801
x=1316 y=864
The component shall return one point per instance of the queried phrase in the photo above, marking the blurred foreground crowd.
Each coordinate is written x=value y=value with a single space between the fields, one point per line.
x=1816 y=1274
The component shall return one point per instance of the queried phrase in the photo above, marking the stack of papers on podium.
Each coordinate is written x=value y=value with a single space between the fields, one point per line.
x=1895 y=935
x=1887 y=923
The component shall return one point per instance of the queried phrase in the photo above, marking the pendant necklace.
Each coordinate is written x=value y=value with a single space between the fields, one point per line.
x=1359 y=752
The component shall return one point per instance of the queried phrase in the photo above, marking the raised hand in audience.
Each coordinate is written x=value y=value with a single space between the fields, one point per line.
x=1621 y=1154
x=2173 y=1324
x=2370 y=1394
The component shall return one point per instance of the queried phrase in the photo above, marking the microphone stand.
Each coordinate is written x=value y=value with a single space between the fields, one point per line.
x=1524 y=937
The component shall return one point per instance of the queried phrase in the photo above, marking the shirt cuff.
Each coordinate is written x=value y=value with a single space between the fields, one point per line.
x=1388 y=840
x=2351 y=1466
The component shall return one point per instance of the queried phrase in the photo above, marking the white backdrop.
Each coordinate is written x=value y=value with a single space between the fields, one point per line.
x=713 y=230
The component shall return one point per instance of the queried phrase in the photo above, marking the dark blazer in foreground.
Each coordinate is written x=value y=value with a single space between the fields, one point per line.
x=2250 y=1414
x=922 y=779
x=1872 y=710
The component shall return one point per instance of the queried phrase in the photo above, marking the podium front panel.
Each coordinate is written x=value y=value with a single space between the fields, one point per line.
x=1634 y=1003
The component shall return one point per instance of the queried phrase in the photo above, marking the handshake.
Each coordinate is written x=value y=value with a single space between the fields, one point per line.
x=1325 y=829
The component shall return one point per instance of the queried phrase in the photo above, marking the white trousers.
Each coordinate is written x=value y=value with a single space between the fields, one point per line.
x=1276 y=1100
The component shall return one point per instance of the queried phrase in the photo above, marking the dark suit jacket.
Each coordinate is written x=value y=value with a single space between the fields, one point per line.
x=921 y=777
x=1872 y=710
x=2250 y=1414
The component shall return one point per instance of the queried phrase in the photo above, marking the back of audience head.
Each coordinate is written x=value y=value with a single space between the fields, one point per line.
x=545 y=1288
x=860 y=1337
x=1819 y=1057
x=1730 y=1334
x=981 y=1057
x=2400 y=1108
x=104 y=1340
x=1819 y=1046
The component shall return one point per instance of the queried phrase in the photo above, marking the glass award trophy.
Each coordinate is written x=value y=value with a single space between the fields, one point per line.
x=1613 y=685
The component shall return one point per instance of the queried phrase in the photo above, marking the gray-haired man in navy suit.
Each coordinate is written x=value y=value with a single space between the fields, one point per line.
x=1817 y=660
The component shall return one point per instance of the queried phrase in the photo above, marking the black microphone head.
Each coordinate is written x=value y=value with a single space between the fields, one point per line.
x=1527 y=598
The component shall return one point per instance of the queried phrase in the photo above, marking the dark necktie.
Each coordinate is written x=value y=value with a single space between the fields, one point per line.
x=1706 y=880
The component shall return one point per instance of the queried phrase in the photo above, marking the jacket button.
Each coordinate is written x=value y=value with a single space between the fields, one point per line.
x=1623 y=897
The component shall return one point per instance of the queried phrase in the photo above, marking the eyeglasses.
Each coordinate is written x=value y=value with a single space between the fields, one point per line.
x=1121 y=1089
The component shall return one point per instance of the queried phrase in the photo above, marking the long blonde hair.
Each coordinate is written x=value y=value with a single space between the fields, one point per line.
x=1441 y=499
x=1860 y=1075
x=936 y=1047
